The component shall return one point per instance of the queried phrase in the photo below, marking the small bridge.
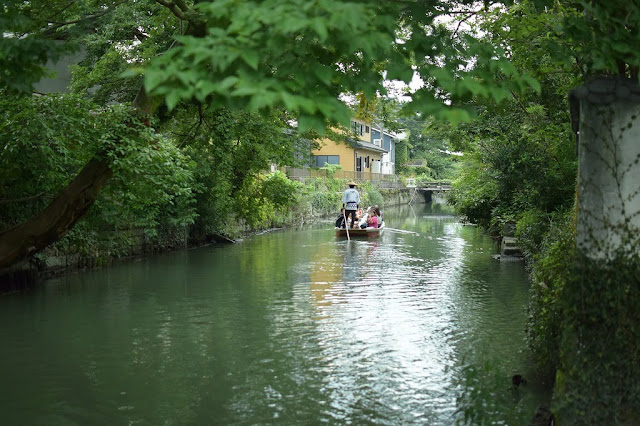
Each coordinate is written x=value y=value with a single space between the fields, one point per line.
x=427 y=189
x=428 y=186
x=435 y=186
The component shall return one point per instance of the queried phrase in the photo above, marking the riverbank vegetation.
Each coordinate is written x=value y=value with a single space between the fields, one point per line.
x=177 y=108
x=520 y=168
x=170 y=188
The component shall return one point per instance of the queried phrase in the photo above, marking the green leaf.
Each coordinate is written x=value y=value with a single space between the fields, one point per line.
x=227 y=83
x=311 y=122
x=455 y=115
x=532 y=82
x=323 y=73
x=262 y=99
x=499 y=93
x=399 y=71
x=132 y=72
x=289 y=101
x=204 y=88
x=172 y=99
x=251 y=58
x=153 y=78
x=474 y=87
x=320 y=28
x=245 y=89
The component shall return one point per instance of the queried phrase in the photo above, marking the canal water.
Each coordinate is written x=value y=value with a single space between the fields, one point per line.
x=420 y=326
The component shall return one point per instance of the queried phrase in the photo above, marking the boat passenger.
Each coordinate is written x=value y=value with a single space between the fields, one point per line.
x=340 y=219
x=372 y=221
x=364 y=220
x=377 y=212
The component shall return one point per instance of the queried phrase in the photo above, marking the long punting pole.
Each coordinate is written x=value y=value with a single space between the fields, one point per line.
x=346 y=225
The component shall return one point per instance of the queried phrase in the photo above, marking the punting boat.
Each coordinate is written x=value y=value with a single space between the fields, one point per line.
x=360 y=232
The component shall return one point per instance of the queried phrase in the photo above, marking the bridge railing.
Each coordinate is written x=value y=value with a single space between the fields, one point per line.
x=435 y=186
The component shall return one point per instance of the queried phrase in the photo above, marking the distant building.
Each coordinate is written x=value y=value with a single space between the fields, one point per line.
x=367 y=149
x=60 y=81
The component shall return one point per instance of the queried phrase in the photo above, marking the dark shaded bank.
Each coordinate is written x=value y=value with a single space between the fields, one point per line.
x=136 y=244
x=51 y=263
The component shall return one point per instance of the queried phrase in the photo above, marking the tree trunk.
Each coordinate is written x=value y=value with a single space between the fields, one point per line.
x=23 y=240
x=27 y=238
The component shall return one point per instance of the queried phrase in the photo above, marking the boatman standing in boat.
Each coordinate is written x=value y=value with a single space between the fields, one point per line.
x=351 y=202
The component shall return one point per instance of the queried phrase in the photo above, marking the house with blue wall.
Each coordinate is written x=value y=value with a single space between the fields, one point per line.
x=366 y=150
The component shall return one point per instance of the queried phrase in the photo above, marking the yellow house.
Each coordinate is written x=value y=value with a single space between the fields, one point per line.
x=362 y=151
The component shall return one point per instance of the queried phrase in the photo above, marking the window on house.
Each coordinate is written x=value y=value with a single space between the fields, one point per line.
x=366 y=129
x=320 y=160
x=357 y=128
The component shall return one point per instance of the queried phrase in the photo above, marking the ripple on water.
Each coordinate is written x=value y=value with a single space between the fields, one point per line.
x=288 y=327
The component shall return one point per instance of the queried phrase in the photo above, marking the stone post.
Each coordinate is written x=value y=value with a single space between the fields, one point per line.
x=605 y=115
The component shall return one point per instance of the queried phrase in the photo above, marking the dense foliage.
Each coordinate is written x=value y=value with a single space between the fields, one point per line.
x=521 y=168
x=428 y=152
x=522 y=160
x=48 y=139
x=583 y=329
x=163 y=182
x=519 y=154
x=302 y=56
x=251 y=56
x=186 y=103
x=231 y=150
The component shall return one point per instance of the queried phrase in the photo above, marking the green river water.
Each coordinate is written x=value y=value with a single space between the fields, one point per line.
x=287 y=327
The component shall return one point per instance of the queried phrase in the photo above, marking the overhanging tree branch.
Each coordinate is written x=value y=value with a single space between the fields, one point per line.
x=55 y=25
x=182 y=5
x=69 y=206
x=175 y=8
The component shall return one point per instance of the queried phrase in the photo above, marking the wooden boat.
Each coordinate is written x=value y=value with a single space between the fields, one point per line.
x=360 y=232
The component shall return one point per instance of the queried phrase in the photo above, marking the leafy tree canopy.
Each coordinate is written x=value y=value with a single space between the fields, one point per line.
x=269 y=56
x=292 y=54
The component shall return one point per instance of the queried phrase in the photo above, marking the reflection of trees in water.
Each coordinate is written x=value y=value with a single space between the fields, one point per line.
x=422 y=218
x=487 y=299
x=250 y=331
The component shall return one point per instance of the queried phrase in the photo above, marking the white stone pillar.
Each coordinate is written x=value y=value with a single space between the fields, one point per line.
x=608 y=205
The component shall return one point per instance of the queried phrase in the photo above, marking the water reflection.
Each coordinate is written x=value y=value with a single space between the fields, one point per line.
x=291 y=327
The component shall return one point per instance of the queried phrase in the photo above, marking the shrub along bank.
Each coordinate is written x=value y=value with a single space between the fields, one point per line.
x=265 y=201
x=584 y=328
x=185 y=178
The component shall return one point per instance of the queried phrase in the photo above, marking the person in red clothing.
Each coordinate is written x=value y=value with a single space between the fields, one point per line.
x=372 y=221
x=377 y=212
